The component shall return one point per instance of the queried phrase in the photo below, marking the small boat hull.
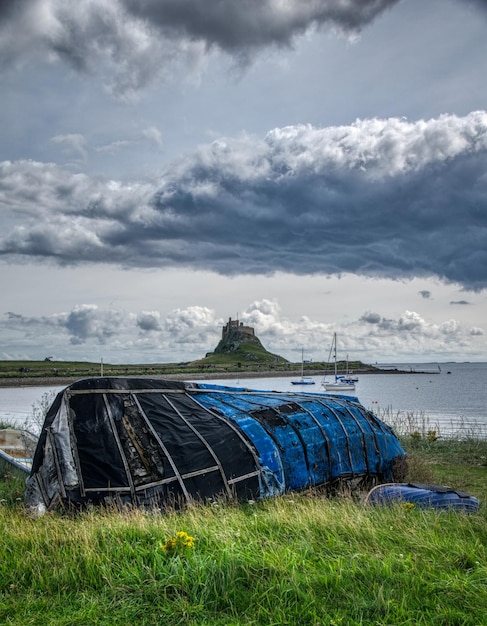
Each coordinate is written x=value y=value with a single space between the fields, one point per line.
x=349 y=379
x=16 y=449
x=423 y=496
x=338 y=386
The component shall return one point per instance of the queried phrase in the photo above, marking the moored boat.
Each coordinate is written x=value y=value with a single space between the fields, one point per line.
x=350 y=377
x=303 y=380
x=338 y=383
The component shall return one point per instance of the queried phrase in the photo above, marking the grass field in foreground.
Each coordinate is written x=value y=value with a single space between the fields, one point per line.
x=299 y=559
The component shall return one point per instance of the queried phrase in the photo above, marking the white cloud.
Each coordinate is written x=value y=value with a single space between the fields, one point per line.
x=186 y=334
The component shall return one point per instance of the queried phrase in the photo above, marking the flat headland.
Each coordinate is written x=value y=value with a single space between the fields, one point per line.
x=56 y=377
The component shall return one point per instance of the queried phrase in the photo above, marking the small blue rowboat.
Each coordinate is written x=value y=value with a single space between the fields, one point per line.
x=423 y=496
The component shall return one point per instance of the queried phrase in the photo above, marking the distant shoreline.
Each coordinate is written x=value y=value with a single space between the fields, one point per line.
x=62 y=381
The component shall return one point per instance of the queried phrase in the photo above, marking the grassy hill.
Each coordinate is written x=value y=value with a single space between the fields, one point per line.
x=245 y=354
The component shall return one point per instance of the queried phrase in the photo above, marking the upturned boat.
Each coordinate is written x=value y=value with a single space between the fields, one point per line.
x=423 y=496
x=161 y=443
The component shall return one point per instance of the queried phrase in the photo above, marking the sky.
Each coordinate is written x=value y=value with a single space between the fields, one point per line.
x=308 y=167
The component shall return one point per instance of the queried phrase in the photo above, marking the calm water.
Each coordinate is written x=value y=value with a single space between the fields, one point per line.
x=17 y=403
x=449 y=402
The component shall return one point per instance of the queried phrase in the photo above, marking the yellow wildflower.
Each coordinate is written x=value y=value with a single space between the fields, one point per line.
x=178 y=543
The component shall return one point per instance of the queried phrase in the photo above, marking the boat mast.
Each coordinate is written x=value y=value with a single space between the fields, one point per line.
x=335 y=352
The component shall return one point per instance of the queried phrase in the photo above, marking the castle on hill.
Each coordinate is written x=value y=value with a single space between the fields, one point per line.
x=233 y=325
x=242 y=340
x=235 y=334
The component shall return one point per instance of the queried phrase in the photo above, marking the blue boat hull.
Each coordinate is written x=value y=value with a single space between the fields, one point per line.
x=423 y=496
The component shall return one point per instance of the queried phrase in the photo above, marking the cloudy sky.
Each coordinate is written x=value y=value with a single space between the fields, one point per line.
x=310 y=166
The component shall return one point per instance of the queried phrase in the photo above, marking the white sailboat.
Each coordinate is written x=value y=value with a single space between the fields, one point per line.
x=304 y=380
x=339 y=383
x=349 y=375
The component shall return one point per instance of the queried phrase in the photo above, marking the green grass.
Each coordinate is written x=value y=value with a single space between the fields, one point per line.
x=249 y=359
x=299 y=559
x=75 y=369
x=246 y=353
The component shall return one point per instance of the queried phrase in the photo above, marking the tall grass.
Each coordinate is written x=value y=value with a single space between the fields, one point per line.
x=299 y=559
x=419 y=425
x=409 y=423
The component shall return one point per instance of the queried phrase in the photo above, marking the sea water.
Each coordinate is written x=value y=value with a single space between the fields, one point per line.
x=20 y=405
x=449 y=398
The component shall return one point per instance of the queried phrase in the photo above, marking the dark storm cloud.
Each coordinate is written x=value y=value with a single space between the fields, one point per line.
x=134 y=41
x=379 y=198
x=244 y=24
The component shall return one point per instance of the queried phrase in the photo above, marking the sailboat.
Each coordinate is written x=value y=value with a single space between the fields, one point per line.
x=339 y=383
x=304 y=380
x=349 y=376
